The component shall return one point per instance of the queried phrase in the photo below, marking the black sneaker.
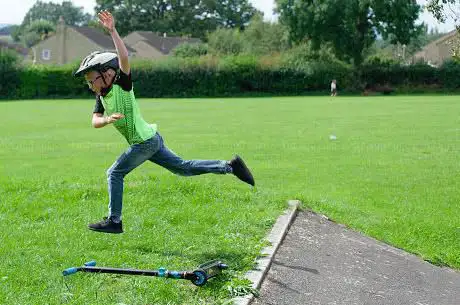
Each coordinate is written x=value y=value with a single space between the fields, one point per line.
x=241 y=170
x=107 y=226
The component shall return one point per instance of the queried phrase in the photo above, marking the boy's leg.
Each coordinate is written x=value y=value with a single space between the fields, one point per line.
x=169 y=160
x=129 y=160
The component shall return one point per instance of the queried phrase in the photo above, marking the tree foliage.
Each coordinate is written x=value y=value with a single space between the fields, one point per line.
x=42 y=17
x=9 y=78
x=261 y=37
x=225 y=42
x=51 y=12
x=36 y=31
x=190 y=50
x=258 y=38
x=442 y=9
x=178 y=17
x=350 y=26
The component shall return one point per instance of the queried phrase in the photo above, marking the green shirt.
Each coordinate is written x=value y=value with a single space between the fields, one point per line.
x=120 y=100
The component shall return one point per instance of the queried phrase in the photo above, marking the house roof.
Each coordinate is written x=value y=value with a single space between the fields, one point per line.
x=164 y=44
x=99 y=38
x=14 y=46
x=444 y=37
x=5 y=31
x=441 y=39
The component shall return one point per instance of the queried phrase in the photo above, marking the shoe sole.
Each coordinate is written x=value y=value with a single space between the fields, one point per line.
x=245 y=169
x=102 y=231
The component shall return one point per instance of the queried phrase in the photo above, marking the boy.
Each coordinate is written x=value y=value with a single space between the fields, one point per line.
x=109 y=76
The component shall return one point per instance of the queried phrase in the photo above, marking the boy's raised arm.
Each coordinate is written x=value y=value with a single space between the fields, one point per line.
x=107 y=20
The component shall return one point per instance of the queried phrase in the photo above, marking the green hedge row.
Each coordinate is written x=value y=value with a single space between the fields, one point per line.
x=208 y=76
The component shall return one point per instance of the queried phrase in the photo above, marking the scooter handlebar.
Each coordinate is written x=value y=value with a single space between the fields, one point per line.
x=73 y=270
x=69 y=271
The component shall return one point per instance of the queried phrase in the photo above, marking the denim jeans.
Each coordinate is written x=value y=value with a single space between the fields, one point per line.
x=155 y=151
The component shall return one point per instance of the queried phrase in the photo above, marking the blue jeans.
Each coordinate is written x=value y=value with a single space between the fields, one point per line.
x=155 y=151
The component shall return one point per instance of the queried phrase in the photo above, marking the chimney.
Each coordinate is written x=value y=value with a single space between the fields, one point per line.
x=61 y=40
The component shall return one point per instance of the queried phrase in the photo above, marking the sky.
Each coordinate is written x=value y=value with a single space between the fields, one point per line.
x=14 y=14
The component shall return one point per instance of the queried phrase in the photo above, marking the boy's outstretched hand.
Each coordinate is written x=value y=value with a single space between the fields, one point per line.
x=107 y=20
x=114 y=117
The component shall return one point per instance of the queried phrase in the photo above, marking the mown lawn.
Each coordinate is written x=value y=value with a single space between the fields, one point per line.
x=393 y=173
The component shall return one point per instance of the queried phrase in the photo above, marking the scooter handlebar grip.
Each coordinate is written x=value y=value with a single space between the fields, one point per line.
x=90 y=264
x=69 y=271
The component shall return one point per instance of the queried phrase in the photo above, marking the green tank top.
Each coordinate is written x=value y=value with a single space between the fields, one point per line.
x=132 y=126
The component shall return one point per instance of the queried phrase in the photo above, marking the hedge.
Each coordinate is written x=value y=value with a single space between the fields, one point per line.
x=229 y=76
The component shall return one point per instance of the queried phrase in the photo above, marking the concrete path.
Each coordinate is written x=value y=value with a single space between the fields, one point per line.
x=321 y=262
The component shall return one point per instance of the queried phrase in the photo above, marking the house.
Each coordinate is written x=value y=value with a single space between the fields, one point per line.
x=151 y=45
x=5 y=33
x=438 y=51
x=21 y=50
x=70 y=44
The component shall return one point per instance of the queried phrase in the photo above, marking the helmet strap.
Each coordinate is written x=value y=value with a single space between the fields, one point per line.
x=107 y=88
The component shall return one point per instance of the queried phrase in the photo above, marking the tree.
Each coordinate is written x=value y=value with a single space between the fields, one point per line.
x=9 y=77
x=350 y=26
x=51 y=12
x=229 y=13
x=16 y=32
x=262 y=37
x=178 y=17
x=42 y=17
x=146 y=15
x=36 y=31
x=190 y=50
x=225 y=42
x=439 y=9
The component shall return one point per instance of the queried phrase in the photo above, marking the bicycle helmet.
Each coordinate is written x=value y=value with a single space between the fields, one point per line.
x=98 y=61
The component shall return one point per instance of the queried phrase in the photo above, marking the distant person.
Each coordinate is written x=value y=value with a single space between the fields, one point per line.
x=334 y=88
x=109 y=76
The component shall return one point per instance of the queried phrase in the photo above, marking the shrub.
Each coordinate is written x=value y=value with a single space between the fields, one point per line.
x=288 y=74
x=9 y=73
x=190 y=50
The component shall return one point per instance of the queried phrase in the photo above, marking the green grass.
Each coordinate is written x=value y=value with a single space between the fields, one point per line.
x=392 y=173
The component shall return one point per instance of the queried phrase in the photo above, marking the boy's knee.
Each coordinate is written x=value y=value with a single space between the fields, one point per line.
x=113 y=172
x=109 y=173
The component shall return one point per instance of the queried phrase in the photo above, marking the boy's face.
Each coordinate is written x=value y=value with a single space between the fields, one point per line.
x=95 y=81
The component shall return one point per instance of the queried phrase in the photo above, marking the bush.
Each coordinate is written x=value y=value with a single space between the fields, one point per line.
x=320 y=67
x=233 y=75
x=9 y=73
x=395 y=74
x=225 y=42
x=448 y=74
x=190 y=50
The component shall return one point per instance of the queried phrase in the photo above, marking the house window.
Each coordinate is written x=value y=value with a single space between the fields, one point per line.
x=46 y=54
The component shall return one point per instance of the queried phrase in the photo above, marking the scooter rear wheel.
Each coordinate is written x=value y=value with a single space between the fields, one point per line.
x=201 y=277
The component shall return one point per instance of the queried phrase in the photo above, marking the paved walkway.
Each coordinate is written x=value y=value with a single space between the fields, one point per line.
x=321 y=262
